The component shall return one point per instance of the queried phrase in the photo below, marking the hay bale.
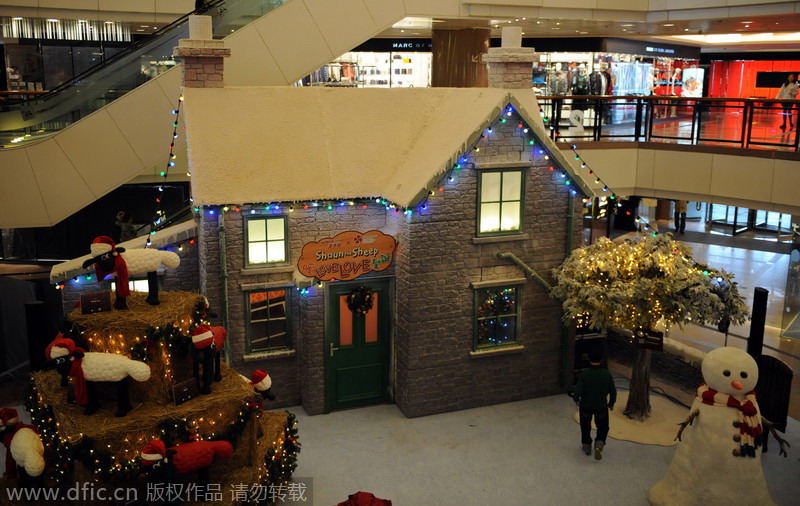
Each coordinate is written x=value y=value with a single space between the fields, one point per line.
x=119 y=331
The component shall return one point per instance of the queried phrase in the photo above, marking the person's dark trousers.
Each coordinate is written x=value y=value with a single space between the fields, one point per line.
x=600 y=419
x=680 y=222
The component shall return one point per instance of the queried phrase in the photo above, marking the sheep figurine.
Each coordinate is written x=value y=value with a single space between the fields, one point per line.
x=59 y=357
x=9 y=425
x=108 y=259
x=89 y=368
x=27 y=450
x=207 y=344
x=262 y=384
x=162 y=463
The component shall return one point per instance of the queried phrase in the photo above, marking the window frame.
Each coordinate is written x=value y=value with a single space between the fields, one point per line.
x=289 y=290
x=522 y=173
x=265 y=218
x=517 y=316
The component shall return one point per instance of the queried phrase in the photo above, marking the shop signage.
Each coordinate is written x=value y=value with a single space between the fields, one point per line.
x=398 y=45
x=347 y=255
x=649 y=339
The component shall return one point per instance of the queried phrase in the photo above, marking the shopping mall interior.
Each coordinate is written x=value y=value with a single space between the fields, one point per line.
x=347 y=229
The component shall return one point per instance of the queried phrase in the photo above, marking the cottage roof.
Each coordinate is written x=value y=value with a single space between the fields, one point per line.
x=280 y=144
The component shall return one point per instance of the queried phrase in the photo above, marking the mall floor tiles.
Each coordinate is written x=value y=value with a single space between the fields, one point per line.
x=523 y=453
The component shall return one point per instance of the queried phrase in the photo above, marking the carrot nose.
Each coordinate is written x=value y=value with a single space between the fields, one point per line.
x=735 y=384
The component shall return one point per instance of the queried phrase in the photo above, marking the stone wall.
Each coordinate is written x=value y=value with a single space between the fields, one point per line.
x=435 y=321
x=298 y=377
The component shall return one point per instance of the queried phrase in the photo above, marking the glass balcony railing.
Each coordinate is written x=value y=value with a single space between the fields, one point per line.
x=41 y=115
x=735 y=122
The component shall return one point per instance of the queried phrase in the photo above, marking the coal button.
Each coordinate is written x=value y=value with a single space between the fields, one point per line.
x=737 y=437
x=736 y=424
x=735 y=453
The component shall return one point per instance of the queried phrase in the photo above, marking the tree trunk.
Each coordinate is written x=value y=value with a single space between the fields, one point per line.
x=638 y=407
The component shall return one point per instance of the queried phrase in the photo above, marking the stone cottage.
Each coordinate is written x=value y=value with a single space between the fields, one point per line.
x=367 y=246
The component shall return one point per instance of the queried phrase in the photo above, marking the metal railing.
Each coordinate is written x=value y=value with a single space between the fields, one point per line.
x=753 y=123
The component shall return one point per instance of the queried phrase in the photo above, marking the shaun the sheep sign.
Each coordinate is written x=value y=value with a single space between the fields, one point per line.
x=347 y=255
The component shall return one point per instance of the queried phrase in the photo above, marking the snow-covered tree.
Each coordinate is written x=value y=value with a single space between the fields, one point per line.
x=638 y=283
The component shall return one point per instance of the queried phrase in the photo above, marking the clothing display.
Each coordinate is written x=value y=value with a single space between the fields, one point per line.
x=600 y=83
x=632 y=78
x=556 y=84
x=580 y=86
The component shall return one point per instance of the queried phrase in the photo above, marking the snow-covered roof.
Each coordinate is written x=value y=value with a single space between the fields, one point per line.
x=279 y=144
x=161 y=239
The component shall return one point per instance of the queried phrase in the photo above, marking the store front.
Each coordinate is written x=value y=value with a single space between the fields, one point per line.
x=378 y=63
x=751 y=75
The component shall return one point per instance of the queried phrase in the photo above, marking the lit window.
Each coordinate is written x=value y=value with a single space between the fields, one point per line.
x=496 y=316
x=268 y=326
x=500 y=202
x=266 y=240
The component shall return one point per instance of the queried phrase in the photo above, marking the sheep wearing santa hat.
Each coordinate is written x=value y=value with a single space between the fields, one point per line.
x=108 y=259
x=89 y=368
x=59 y=356
x=207 y=344
x=162 y=463
x=9 y=425
x=28 y=452
x=262 y=384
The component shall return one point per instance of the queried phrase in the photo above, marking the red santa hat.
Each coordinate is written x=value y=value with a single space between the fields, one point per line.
x=260 y=380
x=202 y=337
x=102 y=244
x=59 y=347
x=8 y=416
x=153 y=452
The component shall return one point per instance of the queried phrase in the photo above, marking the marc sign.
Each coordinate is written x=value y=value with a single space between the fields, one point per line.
x=347 y=255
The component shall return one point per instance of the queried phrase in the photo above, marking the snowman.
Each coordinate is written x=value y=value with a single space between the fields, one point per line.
x=719 y=462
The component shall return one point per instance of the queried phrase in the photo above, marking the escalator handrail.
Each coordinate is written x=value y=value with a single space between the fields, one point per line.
x=114 y=58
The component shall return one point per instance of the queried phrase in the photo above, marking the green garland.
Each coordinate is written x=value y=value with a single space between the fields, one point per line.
x=280 y=467
x=60 y=456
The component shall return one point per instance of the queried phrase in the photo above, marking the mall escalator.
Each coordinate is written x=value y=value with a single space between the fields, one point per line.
x=114 y=124
x=30 y=120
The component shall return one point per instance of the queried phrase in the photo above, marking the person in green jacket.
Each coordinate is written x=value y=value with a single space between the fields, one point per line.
x=595 y=394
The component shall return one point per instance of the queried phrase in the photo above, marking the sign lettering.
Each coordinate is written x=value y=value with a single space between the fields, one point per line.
x=347 y=255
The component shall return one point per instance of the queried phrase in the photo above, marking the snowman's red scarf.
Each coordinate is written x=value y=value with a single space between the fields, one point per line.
x=749 y=417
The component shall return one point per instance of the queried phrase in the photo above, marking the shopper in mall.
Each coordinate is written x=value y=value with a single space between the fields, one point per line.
x=680 y=216
x=595 y=394
x=788 y=91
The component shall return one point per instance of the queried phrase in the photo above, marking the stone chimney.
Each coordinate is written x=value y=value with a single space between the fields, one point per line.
x=511 y=65
x=201 y=55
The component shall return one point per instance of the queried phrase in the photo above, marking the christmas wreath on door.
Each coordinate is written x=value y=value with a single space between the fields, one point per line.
x=360 y=301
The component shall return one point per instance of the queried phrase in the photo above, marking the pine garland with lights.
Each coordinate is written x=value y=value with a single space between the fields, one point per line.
x=280 y=462
x=61 y=454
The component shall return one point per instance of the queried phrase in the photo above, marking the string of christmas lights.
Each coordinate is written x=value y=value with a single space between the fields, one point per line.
x=449 y=176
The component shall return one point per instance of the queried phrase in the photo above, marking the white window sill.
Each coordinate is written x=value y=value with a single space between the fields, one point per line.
x=269 y=355
x=276 y=269
x=496 y=352
x=500 y=238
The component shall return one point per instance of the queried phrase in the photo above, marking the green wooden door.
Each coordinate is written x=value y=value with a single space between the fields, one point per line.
x=357 y=346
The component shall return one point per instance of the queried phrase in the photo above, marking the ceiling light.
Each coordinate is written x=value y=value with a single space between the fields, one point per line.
x=745 y=22
x=109 y=22
x=524 y=19
x=558 y=23
x=83 y=21
x=685 y=29
x=668 y=24
x=628 y=24
x=20 y=19
x=139 y=30
x=747 y=26
x=538 y=22
x=145 y=26
x=52 y=20
x=743 y=38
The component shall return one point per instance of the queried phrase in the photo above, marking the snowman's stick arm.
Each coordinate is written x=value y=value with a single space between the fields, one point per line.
x=689 y=420
x=771 y=427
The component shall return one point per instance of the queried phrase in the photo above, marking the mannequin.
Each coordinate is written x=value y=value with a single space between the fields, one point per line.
x=600 y=84
x=579 y=85
x=556 y=82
